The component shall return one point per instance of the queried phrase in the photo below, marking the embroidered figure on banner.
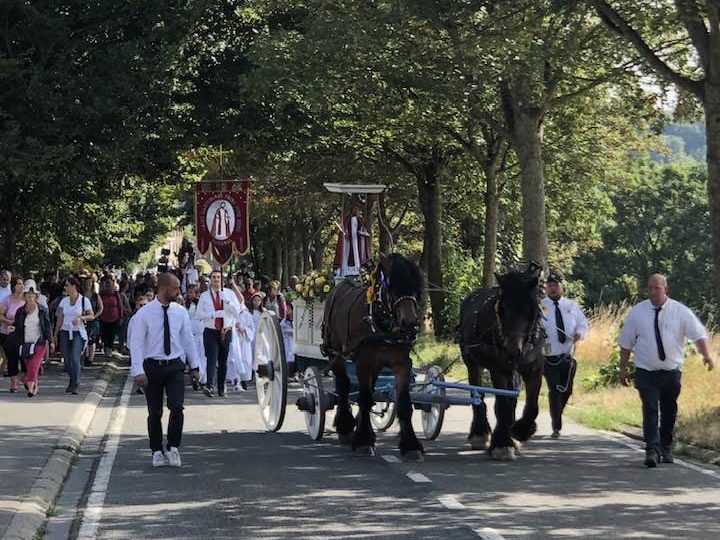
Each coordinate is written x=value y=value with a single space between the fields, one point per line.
x=220 y=219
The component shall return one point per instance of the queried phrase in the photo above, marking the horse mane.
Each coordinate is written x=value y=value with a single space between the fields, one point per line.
x=404 y=275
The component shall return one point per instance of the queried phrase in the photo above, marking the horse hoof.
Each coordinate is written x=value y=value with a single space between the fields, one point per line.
x=503 y=454
x=365 y=450
x=478 y=442
x=345 y=439
x=413 y=455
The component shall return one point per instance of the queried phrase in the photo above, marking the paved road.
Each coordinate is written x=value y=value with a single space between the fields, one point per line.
x=239 y=482
x=29 y=428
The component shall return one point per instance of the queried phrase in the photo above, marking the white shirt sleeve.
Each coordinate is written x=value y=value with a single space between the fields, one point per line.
x=136 y=342
x=187 y=341
x=581 y=321
x=231 y=304
x=628 y=334
x=205 y=308
x=693 y=328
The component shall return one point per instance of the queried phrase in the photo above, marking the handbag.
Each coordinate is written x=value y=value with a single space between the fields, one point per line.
x=27 y=350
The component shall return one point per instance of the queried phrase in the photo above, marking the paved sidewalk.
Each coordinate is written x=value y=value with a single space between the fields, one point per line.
x=34 y=429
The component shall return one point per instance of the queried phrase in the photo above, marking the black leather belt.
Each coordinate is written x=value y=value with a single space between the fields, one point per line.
x=162 y=361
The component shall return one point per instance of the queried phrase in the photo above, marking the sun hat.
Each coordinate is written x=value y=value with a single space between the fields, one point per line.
x=30 y=286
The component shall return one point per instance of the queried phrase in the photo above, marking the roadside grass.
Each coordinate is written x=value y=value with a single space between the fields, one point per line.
x=615 y=408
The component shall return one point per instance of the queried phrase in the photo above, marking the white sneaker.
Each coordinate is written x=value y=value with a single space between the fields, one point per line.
x=173 y=457
x=159 y=459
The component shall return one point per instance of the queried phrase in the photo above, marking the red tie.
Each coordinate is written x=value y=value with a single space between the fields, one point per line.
x=218 y=305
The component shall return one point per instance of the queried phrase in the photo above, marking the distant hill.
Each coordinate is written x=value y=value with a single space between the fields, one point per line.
x=685 y=141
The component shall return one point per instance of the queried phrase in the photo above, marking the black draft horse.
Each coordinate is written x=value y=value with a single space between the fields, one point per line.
x=500 y=330
x=373 y=339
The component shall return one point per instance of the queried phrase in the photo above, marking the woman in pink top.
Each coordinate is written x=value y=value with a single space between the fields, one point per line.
x=8 y=307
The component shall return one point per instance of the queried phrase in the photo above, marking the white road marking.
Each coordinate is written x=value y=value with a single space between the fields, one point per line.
x=391 y=459
x=418 y=477
x=620 y=440
x=96 y=500
x=486 y=533
x=451 y=503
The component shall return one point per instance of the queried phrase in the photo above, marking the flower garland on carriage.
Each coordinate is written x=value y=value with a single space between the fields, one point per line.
x=314 y=286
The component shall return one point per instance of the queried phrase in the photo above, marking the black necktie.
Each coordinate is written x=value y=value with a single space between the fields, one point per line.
x=166 y=331
x=559 y=323
x=658 y=339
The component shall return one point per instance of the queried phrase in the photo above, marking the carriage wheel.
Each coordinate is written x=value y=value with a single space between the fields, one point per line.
x=315 y=396
x=432 y=420
x=382 y=415
x=270 y=371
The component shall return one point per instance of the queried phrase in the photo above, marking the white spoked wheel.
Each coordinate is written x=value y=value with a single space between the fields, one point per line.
x=270 y=371
x=432 y=420
x=382 y=415
x=315 y=396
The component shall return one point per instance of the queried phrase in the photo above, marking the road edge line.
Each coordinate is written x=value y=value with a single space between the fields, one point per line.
x=92 y=513
x=31 y=516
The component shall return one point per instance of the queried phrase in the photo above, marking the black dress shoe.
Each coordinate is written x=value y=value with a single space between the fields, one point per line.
x=243 y=385
x=651 y=459
x=667 y=456
x=68 y=389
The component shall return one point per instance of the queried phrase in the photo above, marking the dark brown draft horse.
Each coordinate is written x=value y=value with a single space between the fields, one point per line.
x=500 y=330
x=373 y=339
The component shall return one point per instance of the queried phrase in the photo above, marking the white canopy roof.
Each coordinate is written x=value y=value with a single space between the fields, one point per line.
x=354 y=188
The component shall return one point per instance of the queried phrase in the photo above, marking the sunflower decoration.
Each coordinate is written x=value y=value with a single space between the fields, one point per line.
x=314 y=286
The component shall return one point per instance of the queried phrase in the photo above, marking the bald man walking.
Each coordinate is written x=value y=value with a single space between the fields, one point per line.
x=656 y=331
x=161 y=337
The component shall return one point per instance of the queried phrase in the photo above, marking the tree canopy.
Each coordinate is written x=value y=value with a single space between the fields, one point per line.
x=504 y=131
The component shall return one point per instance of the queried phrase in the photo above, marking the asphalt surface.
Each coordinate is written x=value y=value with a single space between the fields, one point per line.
x=29 y=428
x=237 y=481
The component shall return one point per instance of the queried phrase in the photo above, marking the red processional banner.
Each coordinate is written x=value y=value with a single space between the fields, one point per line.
x=222 y=223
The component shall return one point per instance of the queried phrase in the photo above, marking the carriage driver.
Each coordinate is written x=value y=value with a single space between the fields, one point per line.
x=565 y=324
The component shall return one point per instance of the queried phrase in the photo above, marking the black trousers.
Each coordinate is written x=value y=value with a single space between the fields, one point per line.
x=216 y=352
x=559 y=374
x=166 y=379
x=13 y=355
x=659 y=391
x=108 y=331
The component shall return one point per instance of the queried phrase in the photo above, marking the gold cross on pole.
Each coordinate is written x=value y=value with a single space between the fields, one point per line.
x=221 y=154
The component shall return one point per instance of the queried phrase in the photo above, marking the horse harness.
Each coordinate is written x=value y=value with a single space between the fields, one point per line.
x=381 y=321
x=534 y=334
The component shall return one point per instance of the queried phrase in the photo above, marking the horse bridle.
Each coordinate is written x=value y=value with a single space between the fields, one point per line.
x=388 y=306
x=529 y=332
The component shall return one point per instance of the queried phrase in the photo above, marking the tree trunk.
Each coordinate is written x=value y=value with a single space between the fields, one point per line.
x=429 y=183
x=712 y=131
x=292 y=249
x=527 y=140
x=318 y=252
x=284 y=262
x=277 y=260
x=492 y=205
x=384 y=240
x=305 y=266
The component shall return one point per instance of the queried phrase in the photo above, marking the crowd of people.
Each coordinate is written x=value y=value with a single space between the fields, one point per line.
x=76 y=315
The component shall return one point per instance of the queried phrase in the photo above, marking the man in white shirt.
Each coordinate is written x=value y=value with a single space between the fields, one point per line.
x=160 y=338
x=218 y=309
x=5 y=288
x=565 y=324
x=656 y=330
